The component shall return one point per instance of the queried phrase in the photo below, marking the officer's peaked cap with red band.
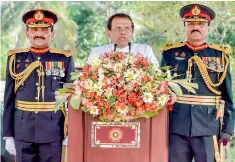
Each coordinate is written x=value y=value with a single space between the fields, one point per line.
x=196 y=12
x=39 y=18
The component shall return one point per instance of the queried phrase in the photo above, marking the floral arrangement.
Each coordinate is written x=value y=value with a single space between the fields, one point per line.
x=121 y=87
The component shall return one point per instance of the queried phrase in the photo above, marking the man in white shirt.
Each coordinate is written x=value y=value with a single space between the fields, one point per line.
x=120 y=30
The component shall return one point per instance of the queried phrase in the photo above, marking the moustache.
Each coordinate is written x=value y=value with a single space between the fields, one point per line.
x=195 y=31
x=39 y=37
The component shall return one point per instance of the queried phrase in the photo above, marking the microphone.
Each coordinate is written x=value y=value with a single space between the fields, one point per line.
x=115 y=47
x=129 y=44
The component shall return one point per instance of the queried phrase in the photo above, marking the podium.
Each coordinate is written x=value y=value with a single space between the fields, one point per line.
x=153 y=141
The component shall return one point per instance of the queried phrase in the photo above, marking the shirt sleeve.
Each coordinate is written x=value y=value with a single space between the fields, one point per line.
x=150 y=56
x=92 y=54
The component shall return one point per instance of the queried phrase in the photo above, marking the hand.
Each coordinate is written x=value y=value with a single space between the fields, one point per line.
x=224 y=138
x=65 y=141
x=10 y=145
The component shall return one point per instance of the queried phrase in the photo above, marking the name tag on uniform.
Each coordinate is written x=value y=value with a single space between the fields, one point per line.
x=55 y=68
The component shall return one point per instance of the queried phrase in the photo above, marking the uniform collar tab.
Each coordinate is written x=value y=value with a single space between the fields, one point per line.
x=197 y=48
x=39 y=50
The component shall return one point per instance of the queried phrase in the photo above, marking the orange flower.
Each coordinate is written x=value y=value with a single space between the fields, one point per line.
x=90 y=94
x=145 y=78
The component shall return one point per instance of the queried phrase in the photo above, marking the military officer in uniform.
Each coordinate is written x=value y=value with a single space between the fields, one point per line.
x=33 y=130
x=194 y=123
x=120 y=30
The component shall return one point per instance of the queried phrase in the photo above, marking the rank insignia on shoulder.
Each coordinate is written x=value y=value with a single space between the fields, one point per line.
x=55 y=68
x=16 y=51
x=174 y=45
x=67 y=53
x=224 y=48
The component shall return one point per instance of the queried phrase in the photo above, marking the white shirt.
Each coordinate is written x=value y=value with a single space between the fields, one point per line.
x=144 y=49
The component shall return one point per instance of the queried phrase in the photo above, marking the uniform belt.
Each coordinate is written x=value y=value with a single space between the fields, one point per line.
x=35 y=106
x=199 y=100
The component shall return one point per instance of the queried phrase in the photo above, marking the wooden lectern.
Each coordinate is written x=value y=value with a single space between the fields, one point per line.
x=153 y=141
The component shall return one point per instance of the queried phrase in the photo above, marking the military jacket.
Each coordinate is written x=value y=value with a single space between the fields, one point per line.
x=28 y=126
x=200 y=120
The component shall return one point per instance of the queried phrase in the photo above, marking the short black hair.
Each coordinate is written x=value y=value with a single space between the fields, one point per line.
x=122 y=15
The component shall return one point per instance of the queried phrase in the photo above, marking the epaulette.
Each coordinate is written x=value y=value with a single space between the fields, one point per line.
x=174 y=45
x=224 y=48
x=67 y=53
x=15 y=51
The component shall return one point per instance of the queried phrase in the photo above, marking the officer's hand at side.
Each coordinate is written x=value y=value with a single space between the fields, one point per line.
x=65 y=141
x=10 y=145
x=224 y=138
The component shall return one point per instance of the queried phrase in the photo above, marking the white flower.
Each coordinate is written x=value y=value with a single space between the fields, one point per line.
x=122 y=109
x=109 y=92
x=117 y=67
x=157 y=69
x=94 y=110
x=129 y=59
x=148 y=97
x=100 y=70
x=129 y=75
x=97 y=87
x=88 y=84
x=101 y=78
x=108 y=66
x=96 y=62
x=163 y=99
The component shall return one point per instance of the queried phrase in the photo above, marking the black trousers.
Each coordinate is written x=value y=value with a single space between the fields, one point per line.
x=33 y=152
x=183 y=148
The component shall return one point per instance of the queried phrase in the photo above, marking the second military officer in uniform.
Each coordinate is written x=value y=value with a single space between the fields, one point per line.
x=32 y=129
x=195 y=120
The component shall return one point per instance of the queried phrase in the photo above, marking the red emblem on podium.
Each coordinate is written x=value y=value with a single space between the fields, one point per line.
x=115 y=135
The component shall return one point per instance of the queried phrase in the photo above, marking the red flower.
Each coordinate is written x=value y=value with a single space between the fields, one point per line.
x=163 y=87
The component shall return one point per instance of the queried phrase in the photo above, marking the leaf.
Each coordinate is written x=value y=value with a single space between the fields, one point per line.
x=74 y=75
x=165 y=67
x=148 y=114
x=176 y=88
x=189 y=88
x=84 y=109
x=185 y=81
x=75 y=101
x=59 y=102
x=64 y=90
x=68 y=85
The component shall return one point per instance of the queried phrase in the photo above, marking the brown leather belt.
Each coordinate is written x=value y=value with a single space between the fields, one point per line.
x=199 y=100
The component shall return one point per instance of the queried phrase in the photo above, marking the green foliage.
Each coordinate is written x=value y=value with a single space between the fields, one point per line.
x=75 y=101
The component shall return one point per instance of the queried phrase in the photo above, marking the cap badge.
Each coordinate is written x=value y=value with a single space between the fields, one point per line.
x=196 y=10
x=38 y=15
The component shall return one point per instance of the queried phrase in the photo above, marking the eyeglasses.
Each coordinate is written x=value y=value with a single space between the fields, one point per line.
x=119 y=29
